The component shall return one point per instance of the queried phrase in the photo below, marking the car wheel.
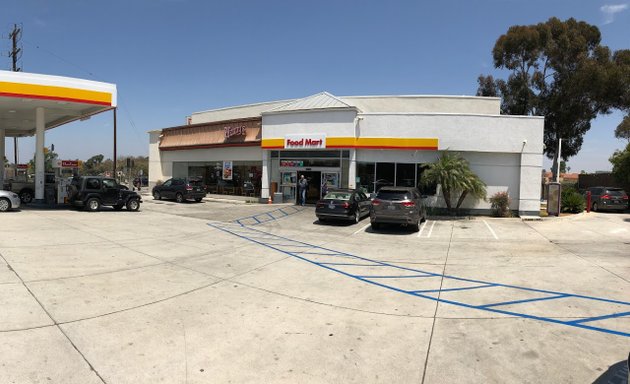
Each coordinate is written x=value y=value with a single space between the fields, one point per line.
x=594 y=207
x=5 y=204
x=118 y=207
x=92 y=205
x=198 y=199
x=416 y=226
x=179 y=197
x=26 y=196
x=133 y=205
x=375 y=225
x=156 y=195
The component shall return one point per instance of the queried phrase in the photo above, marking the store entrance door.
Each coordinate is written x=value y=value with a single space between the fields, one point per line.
x=314 y=186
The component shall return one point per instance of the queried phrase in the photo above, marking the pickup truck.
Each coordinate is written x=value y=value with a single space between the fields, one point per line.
x=26 y=189
x=91 y=192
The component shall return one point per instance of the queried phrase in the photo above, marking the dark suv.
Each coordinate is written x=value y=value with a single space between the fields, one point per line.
x=180 y=189
x=608 y=198
x=398 y=205
x=90 y=192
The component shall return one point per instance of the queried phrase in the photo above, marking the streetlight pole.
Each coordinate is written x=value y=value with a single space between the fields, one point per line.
x=115 y=154
x=559 y=160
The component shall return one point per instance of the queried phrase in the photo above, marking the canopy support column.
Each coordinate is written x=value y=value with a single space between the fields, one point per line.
x=2 y=154
x=40 y=164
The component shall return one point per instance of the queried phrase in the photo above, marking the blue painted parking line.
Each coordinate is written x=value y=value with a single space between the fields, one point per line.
x=268 y=216
x=526 y=300
x=389 y=281
x=455 y=289
x=611 y=316
x=355 y=265
x=393 y=277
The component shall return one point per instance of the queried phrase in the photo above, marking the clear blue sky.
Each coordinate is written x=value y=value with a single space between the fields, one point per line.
x=170 y=58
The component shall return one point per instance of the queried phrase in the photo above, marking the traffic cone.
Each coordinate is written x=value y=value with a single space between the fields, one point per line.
x=269 y=201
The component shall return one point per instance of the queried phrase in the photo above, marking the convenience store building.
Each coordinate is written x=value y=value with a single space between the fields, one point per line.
x=353 y=142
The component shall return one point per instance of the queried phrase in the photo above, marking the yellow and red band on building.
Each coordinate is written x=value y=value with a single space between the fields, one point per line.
x=56 y=93
x=428 y=144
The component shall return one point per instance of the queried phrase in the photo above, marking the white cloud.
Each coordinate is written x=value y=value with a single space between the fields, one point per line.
x=610 y=10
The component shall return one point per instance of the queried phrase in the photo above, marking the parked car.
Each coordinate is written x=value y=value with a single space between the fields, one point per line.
x=608 y=199
x=26 y=189
x=91 y=192
x=180 y=189
x=343 y=204
x=398 y=205
x=9 y=200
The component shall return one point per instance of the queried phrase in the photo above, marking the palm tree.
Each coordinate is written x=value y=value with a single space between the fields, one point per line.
x=454 y=175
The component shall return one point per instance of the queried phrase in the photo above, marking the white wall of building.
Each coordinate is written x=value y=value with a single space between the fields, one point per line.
x=426 y=104
x=332 y=123
x=505 y=151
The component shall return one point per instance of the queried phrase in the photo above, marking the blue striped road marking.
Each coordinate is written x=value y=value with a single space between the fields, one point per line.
x=268 y=216
x=284 y=245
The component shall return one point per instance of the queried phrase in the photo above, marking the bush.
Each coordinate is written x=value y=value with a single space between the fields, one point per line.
x=500 y=204
x=571 y=201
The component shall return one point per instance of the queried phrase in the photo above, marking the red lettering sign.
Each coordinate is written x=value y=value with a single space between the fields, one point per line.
x=234 y=131
x=22 y=166
x=70 y=163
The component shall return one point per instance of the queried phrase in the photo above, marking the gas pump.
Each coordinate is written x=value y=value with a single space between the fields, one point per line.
x=64 y=170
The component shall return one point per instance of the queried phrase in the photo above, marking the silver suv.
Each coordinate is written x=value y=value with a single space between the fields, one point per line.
x=398 y=205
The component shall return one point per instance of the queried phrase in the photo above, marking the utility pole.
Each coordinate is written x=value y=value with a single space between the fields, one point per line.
x=15 y=55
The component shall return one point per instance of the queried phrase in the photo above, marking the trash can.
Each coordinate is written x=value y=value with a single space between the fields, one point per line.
x=277 y=198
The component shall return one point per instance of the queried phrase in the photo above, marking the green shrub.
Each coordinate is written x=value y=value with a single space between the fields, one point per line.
x=572 y=201
x=500 y=204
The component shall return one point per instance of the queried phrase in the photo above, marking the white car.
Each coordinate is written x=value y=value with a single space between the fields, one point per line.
x=8 y=200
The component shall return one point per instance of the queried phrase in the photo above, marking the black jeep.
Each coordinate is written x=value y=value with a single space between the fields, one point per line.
x=90 y=192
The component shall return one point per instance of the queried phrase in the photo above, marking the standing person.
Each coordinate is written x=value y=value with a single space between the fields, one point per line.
x=303 y=187
x=324 y=187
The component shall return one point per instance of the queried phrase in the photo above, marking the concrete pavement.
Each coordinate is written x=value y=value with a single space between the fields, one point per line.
x=161 y=296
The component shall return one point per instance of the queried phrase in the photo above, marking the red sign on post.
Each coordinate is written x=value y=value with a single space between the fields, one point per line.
x=70 y=163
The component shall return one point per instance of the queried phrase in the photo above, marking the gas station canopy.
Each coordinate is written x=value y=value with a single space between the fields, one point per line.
x=63 y=100
x=31 y=103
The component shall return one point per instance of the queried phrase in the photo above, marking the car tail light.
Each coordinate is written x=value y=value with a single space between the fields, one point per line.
x=408 y=204
x=346 y=205
x=320 y=204
x=605 y=197
x=376 y=202
x=189 y=187
x=625 y=197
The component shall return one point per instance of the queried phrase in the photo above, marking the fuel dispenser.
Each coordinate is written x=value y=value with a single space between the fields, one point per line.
x=64 y=170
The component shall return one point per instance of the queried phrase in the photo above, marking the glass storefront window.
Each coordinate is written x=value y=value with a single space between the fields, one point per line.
x=365 y=175
x=384 y=175
x=428 y=190
x=246 y=177
x=405 y=175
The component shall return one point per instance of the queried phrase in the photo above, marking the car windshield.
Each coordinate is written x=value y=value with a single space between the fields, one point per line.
x=338 y=196
x=615 y=192
x=386 y=194
x=195 y=182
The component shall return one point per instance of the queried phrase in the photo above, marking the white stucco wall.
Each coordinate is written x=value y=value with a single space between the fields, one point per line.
x=331 y=123
x=477 y=133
